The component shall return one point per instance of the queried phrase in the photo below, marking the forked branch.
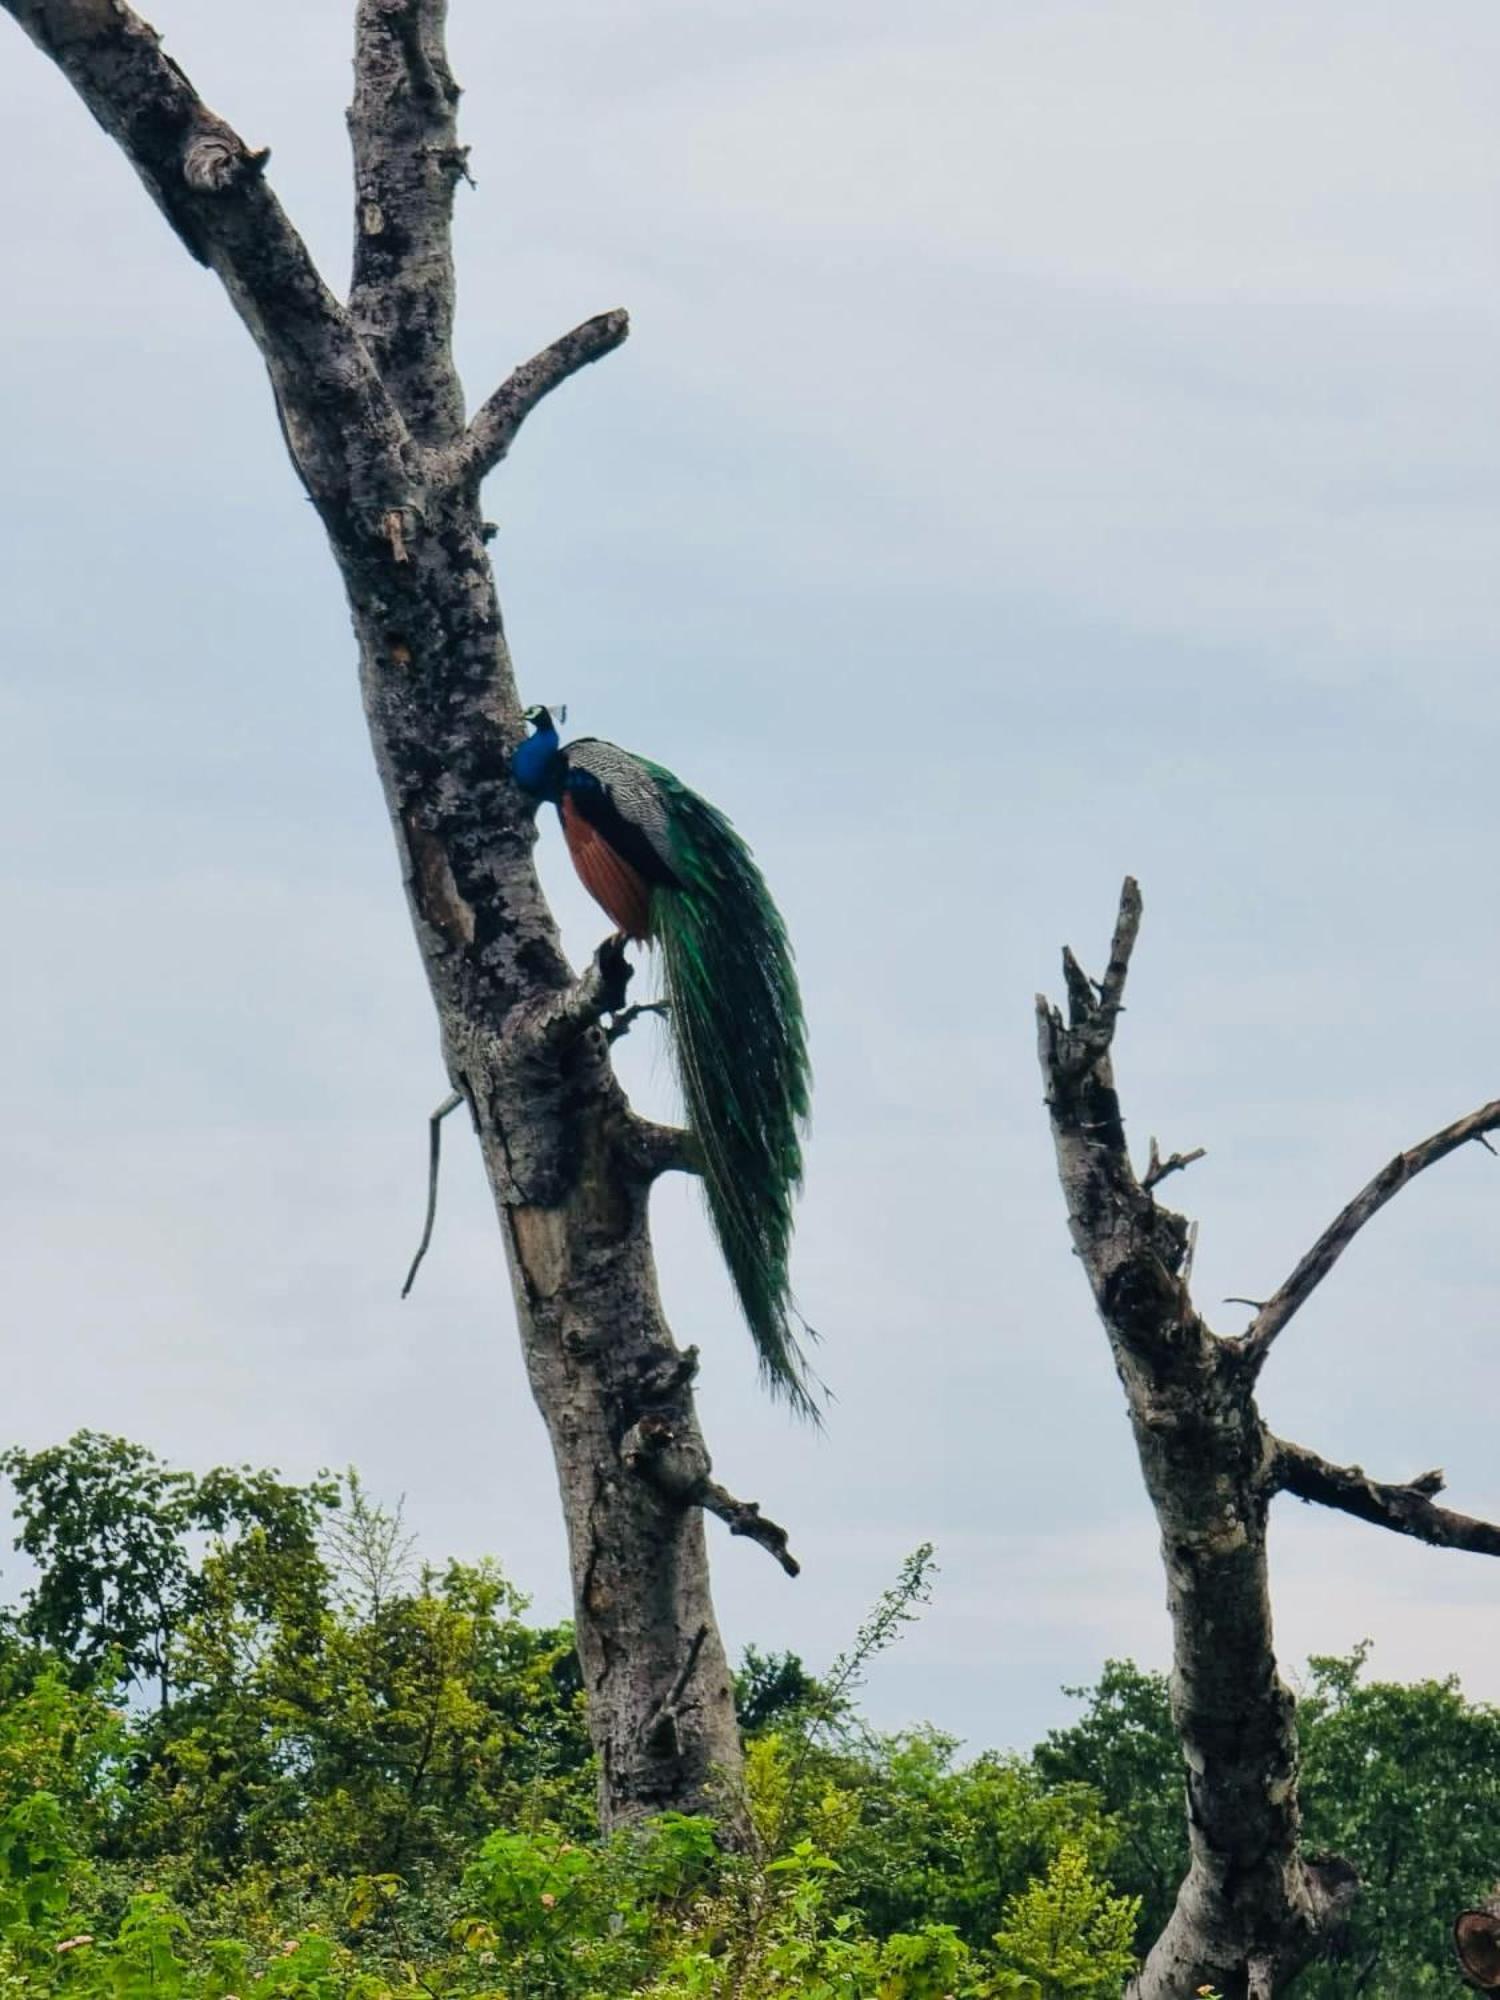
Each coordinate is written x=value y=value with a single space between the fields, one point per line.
x=1093 y=1009
x=1132 y=1247
x=1157 y=1168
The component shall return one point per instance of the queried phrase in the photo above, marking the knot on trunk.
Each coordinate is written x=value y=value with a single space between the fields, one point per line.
x=664 y=1376
x=217 y=159
x=1332 y=1886
x=675 y=1460
x=1143 y=1300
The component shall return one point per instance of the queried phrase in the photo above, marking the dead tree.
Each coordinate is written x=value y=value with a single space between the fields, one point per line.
x=1254 y=1908
x=374 y=420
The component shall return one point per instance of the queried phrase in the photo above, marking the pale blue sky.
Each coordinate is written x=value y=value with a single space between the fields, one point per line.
x=1055 y=439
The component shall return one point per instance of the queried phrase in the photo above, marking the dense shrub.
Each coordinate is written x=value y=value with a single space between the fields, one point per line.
x=249 y=1749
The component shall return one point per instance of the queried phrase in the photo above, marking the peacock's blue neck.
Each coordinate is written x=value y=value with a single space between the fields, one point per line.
x=536 y=766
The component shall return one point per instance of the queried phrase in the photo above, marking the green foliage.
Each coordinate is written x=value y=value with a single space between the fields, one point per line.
x=248 y=1748
x=1068 y=1934
x=1125 y=1749
x=66 y=1741
x=933 y=1839
x=337 y=1745
x=366 y=1782
x=560 y=1918
x=324 y=1720
x=1404 y=1781
x=786 y=1934
x=37 y=1861
x=110 y=1529
x=775 y=1690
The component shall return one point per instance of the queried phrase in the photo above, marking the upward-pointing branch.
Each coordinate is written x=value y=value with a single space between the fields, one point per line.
x=407 y=160
x=493 y=430
x=1346 y=1225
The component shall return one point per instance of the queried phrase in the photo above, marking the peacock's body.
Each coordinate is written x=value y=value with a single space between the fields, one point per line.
x=668 y=868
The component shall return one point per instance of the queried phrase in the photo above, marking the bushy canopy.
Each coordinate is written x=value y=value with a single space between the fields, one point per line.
x=250 y=1747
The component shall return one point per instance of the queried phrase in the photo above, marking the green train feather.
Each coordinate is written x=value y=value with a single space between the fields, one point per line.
x=740 y=1046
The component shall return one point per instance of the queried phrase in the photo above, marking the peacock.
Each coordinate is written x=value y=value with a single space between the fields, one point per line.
x=668 y=869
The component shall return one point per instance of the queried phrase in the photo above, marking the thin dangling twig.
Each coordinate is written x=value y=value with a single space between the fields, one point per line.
x=434 y=1154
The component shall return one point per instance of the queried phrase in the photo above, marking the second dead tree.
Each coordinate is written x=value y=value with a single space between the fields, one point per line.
x=1253 y=1908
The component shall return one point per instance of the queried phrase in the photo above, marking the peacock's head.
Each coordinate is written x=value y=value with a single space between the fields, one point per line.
x=543 y=720
x=535 y=765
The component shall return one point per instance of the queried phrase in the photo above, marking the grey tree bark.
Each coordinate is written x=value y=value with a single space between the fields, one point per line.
x=1254 y=1907
x=374 y=420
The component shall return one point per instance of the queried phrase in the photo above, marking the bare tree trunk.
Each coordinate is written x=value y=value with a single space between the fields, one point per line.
x=373 y=416
x=1253 y=1908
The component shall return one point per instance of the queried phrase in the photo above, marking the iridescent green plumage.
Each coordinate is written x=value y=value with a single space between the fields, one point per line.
x=740 y=1046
